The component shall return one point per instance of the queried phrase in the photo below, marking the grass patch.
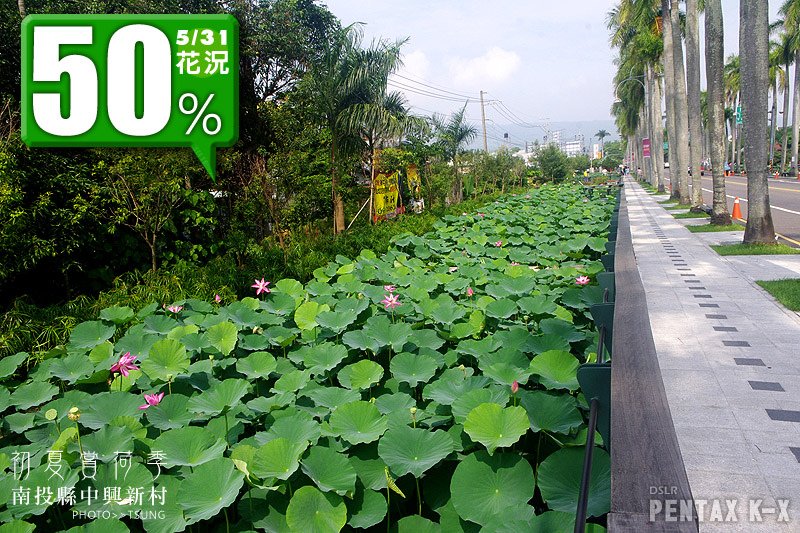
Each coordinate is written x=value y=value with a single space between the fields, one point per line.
x=786 y=291
x=674 y=207
x=755 y=249
x=713 y=228
x=691 y=215
x=670 y=201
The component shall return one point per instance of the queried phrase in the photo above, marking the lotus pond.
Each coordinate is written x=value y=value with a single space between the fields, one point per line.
x=430 y=389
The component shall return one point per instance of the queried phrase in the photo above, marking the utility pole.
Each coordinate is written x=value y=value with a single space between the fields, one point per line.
x=483 y=120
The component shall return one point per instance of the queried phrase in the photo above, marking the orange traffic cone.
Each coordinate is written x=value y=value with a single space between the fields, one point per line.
x=737 y=211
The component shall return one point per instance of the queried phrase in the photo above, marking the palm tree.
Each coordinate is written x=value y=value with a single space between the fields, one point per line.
x=787 y=43
x=732 y=77
x=21 y=7
x=693 y=97
x=791 y=17
x=344 y=83
x=776 y=77
x=602 y=134
x=754 y=53
x=384 y=120
x=680 y=140
x=715 y=63
x=452 y=134
x=635 y=33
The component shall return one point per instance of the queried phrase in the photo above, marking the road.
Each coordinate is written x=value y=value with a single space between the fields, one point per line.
x=784 y=196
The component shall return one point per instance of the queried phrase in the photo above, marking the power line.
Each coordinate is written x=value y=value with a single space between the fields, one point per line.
x=423 y=92
x=510 y=118
x=504 y=141
x=433 y=87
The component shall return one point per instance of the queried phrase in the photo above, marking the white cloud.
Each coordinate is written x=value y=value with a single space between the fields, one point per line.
x=415 y=64
x=495 y=65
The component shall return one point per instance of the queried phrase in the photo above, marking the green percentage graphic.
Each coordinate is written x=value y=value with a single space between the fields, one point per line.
x=131 y=80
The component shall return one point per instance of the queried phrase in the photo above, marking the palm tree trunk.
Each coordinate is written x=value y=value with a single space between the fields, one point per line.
x=642 y=133
x=773 y=120
x=681 y=105
x=732 y=132
x=785 y=145
x=21 y=6
x=715 y=64
x=735 y=139
x=647 y=113
x=669 y=97
x=693 y=96
x=795 y=113
x=338 y=204
x=657 y=143
x=741 y=159
x=754 y=54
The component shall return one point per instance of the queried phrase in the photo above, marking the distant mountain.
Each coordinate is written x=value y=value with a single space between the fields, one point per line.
x=519 y=135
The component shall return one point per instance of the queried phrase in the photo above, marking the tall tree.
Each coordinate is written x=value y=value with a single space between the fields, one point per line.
x=787 y=42
x=601 y=135
x=657 y=142
x=754 y=53
x=669 y=98
x=452 y=135
x=715 y=64
x=680 y=142
x=776 y=78
x=342 y=84
x=693 y=97
x=791 y=17
x=733 y=84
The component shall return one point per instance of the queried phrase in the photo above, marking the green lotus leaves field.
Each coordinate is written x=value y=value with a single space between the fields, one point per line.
x=430 y=389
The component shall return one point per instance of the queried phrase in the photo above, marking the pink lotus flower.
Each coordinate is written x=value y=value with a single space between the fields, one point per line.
x=527 y=196
x=175 y=309
x=481 y=215
x=463 y=214
x=125 y=364
x=391 y=301
x=261 y=286
x=514 y=387
x=217 y=298
x=582 y=280
x=389 y=288
x=470 y=292
x=151 y=399
x=453 y=269
x=499 y=244
x=514 y=264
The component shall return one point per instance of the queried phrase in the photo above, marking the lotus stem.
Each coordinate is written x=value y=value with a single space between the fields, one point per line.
x=226 y=429
x=419 y=497
x=388 y=509
x=250 y=501
x=227 y=524
x=536 y=461
x=80 y=446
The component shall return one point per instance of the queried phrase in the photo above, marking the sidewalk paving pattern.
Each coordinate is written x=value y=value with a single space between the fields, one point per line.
x=730 y=360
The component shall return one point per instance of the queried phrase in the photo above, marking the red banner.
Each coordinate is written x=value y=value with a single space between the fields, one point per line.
x=645 y=147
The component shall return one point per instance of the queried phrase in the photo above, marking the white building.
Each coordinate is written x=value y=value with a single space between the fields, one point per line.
x=572 y=148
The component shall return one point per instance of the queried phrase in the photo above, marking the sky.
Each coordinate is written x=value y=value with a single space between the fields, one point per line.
x=545 y=60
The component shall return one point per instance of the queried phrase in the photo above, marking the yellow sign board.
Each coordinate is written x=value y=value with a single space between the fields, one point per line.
x=414 y=183
x=386 y=194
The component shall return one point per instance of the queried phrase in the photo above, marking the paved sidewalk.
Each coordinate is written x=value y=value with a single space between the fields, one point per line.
x=730 y=361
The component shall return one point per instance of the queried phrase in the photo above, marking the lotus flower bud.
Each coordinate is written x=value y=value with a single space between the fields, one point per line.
x=74 y=414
